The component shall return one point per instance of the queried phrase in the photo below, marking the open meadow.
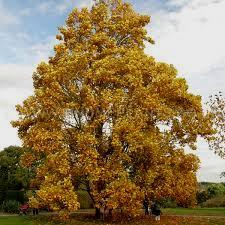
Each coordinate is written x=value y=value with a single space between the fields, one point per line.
x=195 y=212
x=209 y=216
x=171 y=220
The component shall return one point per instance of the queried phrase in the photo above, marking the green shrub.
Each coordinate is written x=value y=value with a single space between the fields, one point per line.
x=202 y=196
x=215 y=202
x=167 y=203
x=215 y=190
x=10 y=206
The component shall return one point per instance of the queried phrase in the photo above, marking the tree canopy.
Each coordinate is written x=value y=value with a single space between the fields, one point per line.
x=216 y=106
x=107 y=116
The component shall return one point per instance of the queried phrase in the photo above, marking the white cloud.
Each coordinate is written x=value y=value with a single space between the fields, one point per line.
x=177 y=2
x=13 y=75
x=60 y=7
x=22 y=48
x=211 y=164
x=8 y=134
x=15 y=86
x=26 y=12
x=86 y=3
x=24 y=36
x=42 y=50
x=45 y=6
x=192 y=38
x=7 y=18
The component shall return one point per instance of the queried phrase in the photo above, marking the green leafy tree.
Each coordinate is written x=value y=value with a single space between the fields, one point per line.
x=12 y=175
x=202 y=196
x=216 y=190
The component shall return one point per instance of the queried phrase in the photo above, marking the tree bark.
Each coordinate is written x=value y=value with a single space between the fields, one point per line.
x=97 y=213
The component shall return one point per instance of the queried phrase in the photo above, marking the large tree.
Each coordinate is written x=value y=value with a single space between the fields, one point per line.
x=107 y=116
x=216 y=106
x=12 y=175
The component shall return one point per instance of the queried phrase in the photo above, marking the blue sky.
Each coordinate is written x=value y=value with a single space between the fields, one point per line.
x=188 y=34
x=30 y=22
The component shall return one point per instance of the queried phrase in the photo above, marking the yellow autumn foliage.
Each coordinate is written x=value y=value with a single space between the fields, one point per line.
x=106 y=114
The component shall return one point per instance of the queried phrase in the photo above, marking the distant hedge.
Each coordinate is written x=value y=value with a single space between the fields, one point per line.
x=10 y=206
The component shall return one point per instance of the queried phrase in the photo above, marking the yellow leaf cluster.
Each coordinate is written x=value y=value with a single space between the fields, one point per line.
x=106 y=116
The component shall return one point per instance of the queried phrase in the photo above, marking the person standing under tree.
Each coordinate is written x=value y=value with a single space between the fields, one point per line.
x=35 y=211
x=146 y=204
x=156 y=211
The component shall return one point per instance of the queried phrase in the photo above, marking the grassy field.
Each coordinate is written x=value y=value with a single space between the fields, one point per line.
x=164 y=221
x=168 y=218
x=197 y=211
x=14 y=220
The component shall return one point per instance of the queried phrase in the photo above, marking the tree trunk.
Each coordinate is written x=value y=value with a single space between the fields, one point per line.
x=110 y=213
x=97 y=213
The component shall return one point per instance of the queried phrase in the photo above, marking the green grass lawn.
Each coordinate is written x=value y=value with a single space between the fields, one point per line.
x=145 y=221
x=14 y=220
x=196 y=211
x=29 y=220
x=167 y=218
